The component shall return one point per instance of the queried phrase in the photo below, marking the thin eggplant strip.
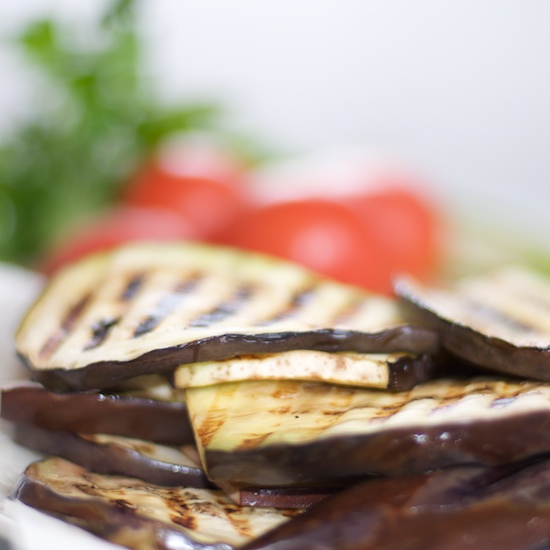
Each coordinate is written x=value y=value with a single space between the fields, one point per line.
x=104 y=454
x=139 y=414
x=294 y=498
x=288 y=433
x=499 y=321
x=139 y=515
x=195 y=303
x=395 y=371
x=167 y=304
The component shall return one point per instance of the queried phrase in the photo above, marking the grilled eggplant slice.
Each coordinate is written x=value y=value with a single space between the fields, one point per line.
x=498 y=321
x=396 y=371
x=150 y=415
x=139 y=515
x=154 y=463
x=462 y=509
x=145 y=309
x=288 y=433
x=108 y=454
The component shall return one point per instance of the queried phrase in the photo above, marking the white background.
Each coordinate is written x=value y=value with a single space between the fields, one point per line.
x=462 y=88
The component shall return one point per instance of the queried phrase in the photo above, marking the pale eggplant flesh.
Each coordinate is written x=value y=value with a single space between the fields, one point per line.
x=498 y=321
x=110 y=454
x=287 y=433
x=140 y=515
x=389 y=371
x=454 y=509
x=145 y=309
x=136 y=414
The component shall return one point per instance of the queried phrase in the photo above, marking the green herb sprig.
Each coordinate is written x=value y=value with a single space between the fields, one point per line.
x=96 y=120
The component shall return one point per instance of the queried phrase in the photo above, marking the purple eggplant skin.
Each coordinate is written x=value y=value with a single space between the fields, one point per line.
x=106 y=374
x=454 y=509
x=110 y=458
x=163 y=422
x=290 y=498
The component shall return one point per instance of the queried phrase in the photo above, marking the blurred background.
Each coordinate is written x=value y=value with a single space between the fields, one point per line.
x=446 y=100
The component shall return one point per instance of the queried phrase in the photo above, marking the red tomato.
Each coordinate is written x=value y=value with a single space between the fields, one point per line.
x=357 y=221
x=323 y=235
x=405 y=227
x=115 y=227
x=205 y=185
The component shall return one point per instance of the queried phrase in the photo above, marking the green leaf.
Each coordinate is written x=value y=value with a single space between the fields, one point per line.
x=40 y=38
x=158 y=125
x=90 y=134
x=101 y=120
x=121 y=12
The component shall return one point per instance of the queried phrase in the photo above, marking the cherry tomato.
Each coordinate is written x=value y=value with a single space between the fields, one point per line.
x=114 y=227
x=355 y=220
x=405 y=227
x=204 y=184
x=324 y=235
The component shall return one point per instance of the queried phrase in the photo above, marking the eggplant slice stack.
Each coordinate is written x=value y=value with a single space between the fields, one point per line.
x=217 y=399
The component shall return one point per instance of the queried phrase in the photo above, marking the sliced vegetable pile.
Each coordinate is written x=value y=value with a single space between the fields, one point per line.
x=293 y=411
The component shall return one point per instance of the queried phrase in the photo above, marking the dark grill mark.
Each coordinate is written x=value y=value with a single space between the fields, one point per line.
x=349 y=311
x=440 y=403
x=65 y=328
x=503 y=402
x=100 y=331
x=147 y=325
x=210 y=426
x=240 y=524
x=181 y=512
x=132 y=287
x=166 y=305
x=224 y=310
x=535 y=300
x=492 y=314
x=188 y=522
x=252 y=442
x=298 y=301
x=449 y=401
x=332 y=412
x=122 y=504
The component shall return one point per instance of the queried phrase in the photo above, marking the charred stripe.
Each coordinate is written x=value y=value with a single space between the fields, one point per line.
x=65 y=328
x=132 y=288
x=300 y=299
x=224 y=310
x=100 y=331
x=167 y=305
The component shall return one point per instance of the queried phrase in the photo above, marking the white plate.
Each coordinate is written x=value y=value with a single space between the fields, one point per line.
x=24 y=527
